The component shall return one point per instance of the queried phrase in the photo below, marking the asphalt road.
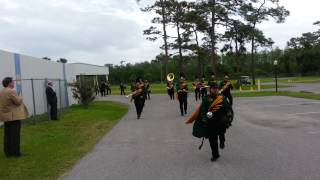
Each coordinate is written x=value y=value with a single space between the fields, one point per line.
x=271 y=138
x=306 y=87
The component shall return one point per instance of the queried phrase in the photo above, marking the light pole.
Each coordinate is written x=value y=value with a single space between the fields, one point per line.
x=275 y=63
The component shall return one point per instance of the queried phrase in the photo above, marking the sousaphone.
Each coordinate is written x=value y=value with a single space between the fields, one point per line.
x=170 y=77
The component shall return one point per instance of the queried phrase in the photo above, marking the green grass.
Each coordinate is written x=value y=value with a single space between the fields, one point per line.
x=52 y=147
x=269 y=86
x=309 y=79
x=280 y=93
x=162 y=88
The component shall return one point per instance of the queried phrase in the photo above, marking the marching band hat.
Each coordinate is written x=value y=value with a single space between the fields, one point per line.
x=214 y=85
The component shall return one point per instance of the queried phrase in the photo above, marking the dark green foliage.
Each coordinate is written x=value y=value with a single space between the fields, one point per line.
x=83 y=91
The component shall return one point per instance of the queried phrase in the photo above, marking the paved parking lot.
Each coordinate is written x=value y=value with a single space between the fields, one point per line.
x=271 y=138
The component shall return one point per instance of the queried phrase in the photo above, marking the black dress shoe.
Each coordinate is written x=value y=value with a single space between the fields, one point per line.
x=214 y=158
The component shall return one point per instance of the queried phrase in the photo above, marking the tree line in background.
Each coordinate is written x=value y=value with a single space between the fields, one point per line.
x=301 y=57
x=201 y=26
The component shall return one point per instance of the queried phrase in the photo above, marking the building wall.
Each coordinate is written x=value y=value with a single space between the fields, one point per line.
x=6 y=65
x=40 y=71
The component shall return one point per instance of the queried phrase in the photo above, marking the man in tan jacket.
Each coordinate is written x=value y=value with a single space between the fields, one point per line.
x=12 y=111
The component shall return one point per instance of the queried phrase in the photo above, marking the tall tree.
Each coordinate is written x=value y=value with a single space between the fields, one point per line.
x=196 y=24
x=236 y=37
x=221 y=12
x=160 y=8
x=177 y=11
x=257 y=11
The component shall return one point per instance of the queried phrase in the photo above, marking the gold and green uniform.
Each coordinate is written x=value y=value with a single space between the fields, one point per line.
x=215 y=126
x=226 y=88
x=182 y=95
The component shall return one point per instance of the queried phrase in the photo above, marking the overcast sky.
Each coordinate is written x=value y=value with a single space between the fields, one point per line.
x=109 y=31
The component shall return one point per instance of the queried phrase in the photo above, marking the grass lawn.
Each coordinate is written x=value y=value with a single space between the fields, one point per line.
x=309 y=79
x=269 y=86
x=280 y=93
x=52 y=147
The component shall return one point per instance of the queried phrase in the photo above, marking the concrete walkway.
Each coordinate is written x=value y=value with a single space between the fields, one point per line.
x=268 y=140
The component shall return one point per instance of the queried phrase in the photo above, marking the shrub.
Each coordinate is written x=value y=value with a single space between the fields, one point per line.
x=83 y=91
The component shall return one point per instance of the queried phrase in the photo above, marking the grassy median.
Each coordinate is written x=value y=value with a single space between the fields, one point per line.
x=280 y=93
x=52 y=147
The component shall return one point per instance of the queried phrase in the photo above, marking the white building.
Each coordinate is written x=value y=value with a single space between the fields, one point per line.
x=34 y=73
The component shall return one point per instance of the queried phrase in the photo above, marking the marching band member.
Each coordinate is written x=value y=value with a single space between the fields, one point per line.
x=196 y=85
x=170 y=89
x=212 y=79
x=182 y=95
x=211 y=120
x=203 y=87
x=139 y=96
x=225 y=88
x=148 y=89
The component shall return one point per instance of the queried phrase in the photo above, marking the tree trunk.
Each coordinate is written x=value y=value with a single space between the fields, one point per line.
x=165 y=37
x=253 y=68
x=213 y=41
x=237 y=56
x=180 y=68
x=199 y=55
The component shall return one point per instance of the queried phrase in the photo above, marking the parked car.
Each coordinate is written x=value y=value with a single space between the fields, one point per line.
x=245 y=80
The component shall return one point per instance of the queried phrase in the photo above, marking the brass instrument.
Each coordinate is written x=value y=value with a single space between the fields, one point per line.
x=130 y=95
x=170 y=77
x=137 y=92
x=203 y=86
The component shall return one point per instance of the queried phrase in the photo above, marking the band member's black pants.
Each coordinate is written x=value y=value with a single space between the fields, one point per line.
x=103 y=92
x=12 y=138
x=213 y=139
x=139 y=103
x=108 y=91
x=171 y=93
x=53 y=111
x=122 y=92
x=183 y=101
x=197 y=93
x=203 y=92
x=148 y=95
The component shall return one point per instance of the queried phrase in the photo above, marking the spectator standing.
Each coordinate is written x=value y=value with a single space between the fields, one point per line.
x=12 y=111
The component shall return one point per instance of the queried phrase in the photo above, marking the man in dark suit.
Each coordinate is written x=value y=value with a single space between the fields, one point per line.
x=52 y=101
